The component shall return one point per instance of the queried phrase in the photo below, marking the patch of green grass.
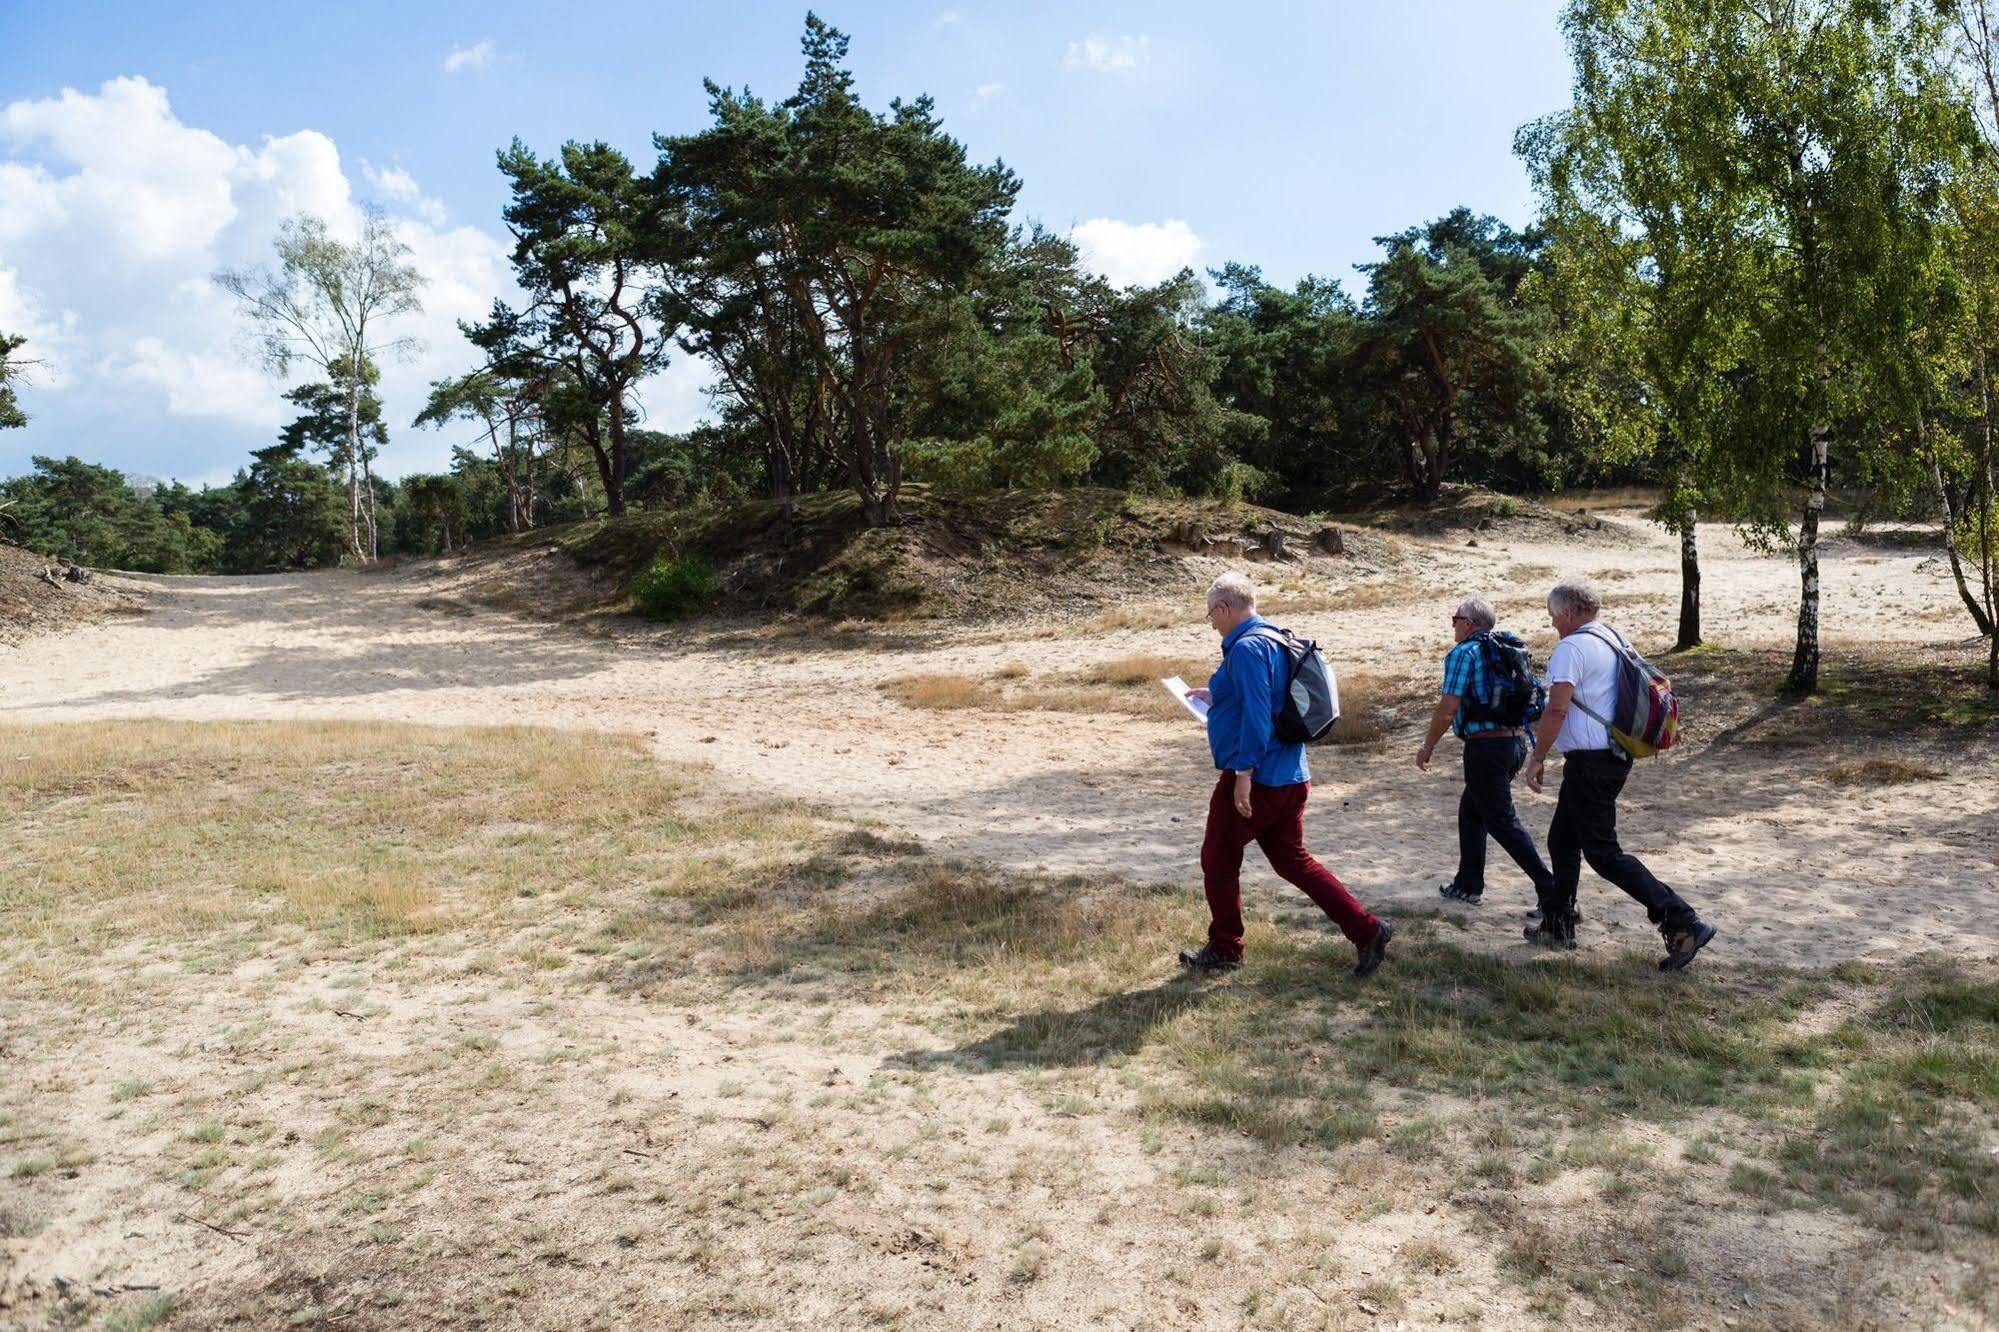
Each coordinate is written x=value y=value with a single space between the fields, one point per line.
x=673 y=588
x=149 y=1311
x=1902 y=1140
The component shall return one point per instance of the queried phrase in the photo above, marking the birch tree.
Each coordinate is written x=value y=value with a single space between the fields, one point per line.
x=1823 y=134
x=1651 y=273
x=327 y=304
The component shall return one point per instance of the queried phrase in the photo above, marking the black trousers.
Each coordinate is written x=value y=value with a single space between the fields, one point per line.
x=1486 y=809
x=1585 y=829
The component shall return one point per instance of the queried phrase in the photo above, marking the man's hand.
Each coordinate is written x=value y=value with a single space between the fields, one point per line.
x=1423 y=757
x=1201 y=694
x=1533 y=774
x=1242 y=794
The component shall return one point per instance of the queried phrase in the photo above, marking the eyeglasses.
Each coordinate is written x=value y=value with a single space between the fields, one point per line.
x=1465 y=618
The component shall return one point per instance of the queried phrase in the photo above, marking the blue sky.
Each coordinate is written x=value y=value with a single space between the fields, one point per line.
x=142 y=146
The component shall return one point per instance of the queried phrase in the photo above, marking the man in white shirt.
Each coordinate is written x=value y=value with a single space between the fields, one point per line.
x=1582 y=679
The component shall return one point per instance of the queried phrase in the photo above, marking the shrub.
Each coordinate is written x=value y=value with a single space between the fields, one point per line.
x=672 y=589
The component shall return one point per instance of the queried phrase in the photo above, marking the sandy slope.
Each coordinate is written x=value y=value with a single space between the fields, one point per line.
x=1792 y=868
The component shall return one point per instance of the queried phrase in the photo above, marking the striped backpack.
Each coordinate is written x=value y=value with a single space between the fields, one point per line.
x=1645 y=719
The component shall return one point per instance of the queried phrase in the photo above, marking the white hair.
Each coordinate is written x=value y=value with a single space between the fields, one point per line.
x=1232 y=589
x=1479 y=611
x=1576 y=596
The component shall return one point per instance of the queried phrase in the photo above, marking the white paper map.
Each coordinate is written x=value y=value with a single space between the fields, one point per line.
x=1178 y=688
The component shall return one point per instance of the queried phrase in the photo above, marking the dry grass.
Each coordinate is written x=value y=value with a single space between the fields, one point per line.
x=1882 y=772
x=1125 y=684
x=1131 y=672
x=352 y=831
x=1156 y=615
x=938 y=691
x=1372 y=705
x=1596 y=501
x=1308 y=598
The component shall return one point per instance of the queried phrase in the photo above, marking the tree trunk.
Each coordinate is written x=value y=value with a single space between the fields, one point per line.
x=1951 y=518
x=353 y=480
x=1432 y=480
x=368 y=485
x=1690 y=588
x=1804 y=677
x=614 y=483
x=354 y=509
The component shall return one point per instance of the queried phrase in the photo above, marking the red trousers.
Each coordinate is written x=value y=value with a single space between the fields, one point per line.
x=1277 y=824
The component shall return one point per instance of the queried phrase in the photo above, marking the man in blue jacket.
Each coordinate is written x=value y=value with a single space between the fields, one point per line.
x=1261 y=795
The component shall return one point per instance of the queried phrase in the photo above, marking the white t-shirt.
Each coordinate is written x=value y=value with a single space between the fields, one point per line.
x=1585 y=660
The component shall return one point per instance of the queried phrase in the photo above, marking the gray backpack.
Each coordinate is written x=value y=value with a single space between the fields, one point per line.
x=1311 y=702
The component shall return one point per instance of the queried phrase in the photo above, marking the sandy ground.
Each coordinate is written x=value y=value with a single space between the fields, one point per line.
x=1792 y=868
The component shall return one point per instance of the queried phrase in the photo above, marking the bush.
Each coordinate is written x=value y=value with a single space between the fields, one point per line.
x=672 y=589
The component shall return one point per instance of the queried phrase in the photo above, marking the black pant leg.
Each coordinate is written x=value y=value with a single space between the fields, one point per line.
x=1489 y=769
x=1565 y=851
x=1602 y=777
x=1470 y=877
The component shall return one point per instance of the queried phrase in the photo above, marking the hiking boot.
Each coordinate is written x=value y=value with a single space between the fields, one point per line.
x=1550 y=936
x=1374 y=950
x=1681 y=945
x=1457 y=894
x=1207 y=960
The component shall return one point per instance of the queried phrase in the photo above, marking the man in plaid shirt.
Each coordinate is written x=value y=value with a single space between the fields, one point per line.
x=1494 y=753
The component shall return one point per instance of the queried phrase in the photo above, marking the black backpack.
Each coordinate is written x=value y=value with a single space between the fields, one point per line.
x=1518 y=696
x=1311 y=702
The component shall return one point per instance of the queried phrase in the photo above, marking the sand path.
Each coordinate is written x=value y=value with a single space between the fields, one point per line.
x=1791 y=867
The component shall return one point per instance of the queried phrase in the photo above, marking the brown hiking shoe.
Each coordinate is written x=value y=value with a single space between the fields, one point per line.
x=1681 y=945
x=1374 y=950
x=1207 y=960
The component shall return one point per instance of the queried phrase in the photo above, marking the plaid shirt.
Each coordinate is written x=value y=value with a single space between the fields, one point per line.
x=1466 y=675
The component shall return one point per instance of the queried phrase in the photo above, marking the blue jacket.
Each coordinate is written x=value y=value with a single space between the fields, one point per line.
x=1242 y=709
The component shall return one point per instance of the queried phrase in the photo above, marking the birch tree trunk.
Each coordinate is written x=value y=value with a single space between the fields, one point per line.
x=1690 y=588
x=354 y=510
x=353 y=474
x=1953 y=517
x=368 y=511
x=1804 y=677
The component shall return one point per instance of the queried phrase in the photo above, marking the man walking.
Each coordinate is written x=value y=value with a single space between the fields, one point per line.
x=1261 y=795
x=1582 y=690
x=1474 y=704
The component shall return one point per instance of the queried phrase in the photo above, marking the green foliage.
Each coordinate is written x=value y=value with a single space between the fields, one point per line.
x=94 y=516
x=10 y=406
x=583 y=241
x=283 y=512
x=813 y=250
x=673 y=588
x=1449 y=350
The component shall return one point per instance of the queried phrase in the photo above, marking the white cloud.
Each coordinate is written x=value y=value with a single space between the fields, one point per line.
x=400 y=186
x=477 y=56
x=393 y=181
x=1136 y=252
x=52 y=343
x=1109 y=55
x=114 y=215
x=988 y=91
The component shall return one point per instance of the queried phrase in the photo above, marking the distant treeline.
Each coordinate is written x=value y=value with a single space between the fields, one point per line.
x=1766 y=264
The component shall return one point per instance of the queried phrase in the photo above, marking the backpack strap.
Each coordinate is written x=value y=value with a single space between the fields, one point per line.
x=1285 y=641
x=1617 y=643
